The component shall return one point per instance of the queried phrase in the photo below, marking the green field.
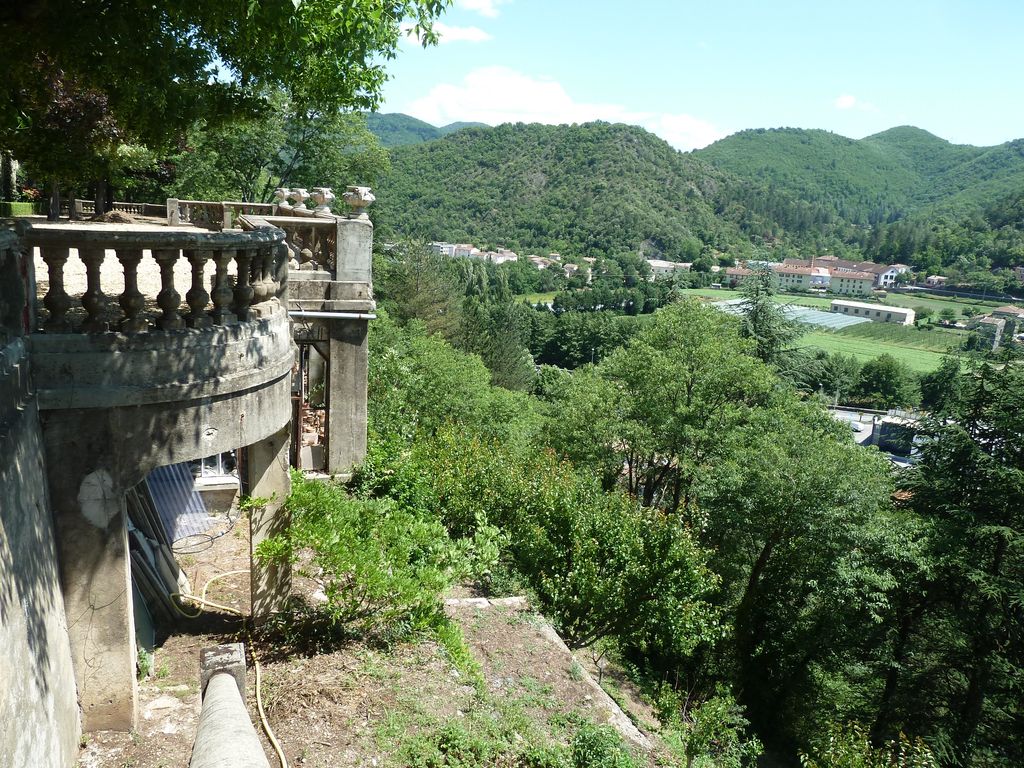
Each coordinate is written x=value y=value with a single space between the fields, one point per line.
x=538 y=298
x=935 y=303
x=866 y=348
x=932 y=338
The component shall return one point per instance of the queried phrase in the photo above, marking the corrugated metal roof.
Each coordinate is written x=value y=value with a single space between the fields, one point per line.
x=180 y=507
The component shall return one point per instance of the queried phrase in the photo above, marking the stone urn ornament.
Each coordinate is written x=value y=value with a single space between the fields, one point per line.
x=300 y=196
x=281 y=198
x=323 y=197
x=357 y=199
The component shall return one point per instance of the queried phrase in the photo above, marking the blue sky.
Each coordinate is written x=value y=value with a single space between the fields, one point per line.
x=693 y=72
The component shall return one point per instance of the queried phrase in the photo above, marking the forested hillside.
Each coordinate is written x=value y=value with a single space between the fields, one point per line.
x=876 y=179
x=594 y=188
x=603 y=190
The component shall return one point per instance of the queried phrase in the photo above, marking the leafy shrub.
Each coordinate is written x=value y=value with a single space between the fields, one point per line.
x=710 y=734
x=600 y=564
x=380 y=566
x=848 y=746
x=454 y=745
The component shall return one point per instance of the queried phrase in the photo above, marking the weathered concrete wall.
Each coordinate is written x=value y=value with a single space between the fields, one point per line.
x=39 y=720
x=114 y=408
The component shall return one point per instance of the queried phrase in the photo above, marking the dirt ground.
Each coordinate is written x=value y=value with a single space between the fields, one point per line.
x=359 y=705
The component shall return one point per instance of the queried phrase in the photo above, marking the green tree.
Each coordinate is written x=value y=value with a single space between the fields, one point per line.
x=679 y=388
x=802 y=551
x=968 y=488
x=885 y=382
x=162 y=67
x=288 y=146
x=415 y=283
x=939 y=387
x=763 y=318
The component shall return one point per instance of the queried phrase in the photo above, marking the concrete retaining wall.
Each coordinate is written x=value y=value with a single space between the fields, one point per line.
x=39 y=719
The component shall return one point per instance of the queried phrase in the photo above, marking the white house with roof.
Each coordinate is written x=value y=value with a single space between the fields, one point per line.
x=877 y=313
x=886 y=275
x=852 y=283
x=661 y=267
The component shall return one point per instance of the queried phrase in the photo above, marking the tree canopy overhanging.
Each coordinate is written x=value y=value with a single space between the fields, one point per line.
x=158 y=67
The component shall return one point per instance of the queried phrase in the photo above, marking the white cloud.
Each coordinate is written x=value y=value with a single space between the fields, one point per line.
x=848 y=101
x=496 y=95
x=488 y=8
x=449 y=34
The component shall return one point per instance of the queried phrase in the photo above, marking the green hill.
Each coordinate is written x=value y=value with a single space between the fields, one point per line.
x=863 y=182
x=444 y=130
x=598 y=189
x=588 y=189
x=876 y=179
x=396 y=130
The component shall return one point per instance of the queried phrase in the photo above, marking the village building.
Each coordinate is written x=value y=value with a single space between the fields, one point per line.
x=663 y=268
x=877 y=313
x=852 y=283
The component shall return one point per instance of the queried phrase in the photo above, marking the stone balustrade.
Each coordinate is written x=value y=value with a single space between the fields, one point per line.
x=207 y=214
x=244 y=269
x=311 y=241
x=87 y=207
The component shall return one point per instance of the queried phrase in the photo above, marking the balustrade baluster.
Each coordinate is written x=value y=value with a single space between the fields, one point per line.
x=56 y=301
x=243 y=290
x=197 y=297
x=326 y=249
x=259 y=290
x=222 y=293
x=310 y=237
x=169 y=300
x=93 y=300
x=132 y=301
x=267 y=255
x=280 y=269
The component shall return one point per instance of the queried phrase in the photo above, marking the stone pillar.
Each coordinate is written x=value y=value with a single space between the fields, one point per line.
x=266 y=471
x=90 y=515
x=346 y=395
x=354 y=254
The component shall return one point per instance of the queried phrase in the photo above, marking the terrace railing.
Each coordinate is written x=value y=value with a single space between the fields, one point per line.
x=212 y=215
x=244 y=270
x=88 y=207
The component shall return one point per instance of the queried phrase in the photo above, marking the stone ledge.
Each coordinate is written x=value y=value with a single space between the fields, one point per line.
x=114 y=370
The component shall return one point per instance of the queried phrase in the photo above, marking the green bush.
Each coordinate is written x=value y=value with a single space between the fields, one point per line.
x=600 y=564
x=848 y=746
x=380 y=566
x=20 y=209
x=484 y=744
x=710 y=734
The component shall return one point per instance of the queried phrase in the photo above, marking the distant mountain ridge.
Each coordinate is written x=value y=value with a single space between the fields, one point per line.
x=875 y=179
x=395 y=129
x=606 y=189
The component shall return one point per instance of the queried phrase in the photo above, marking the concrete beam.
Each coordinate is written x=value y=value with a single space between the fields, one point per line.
x=346 y=394
x=267 y=472
x=90 y=515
